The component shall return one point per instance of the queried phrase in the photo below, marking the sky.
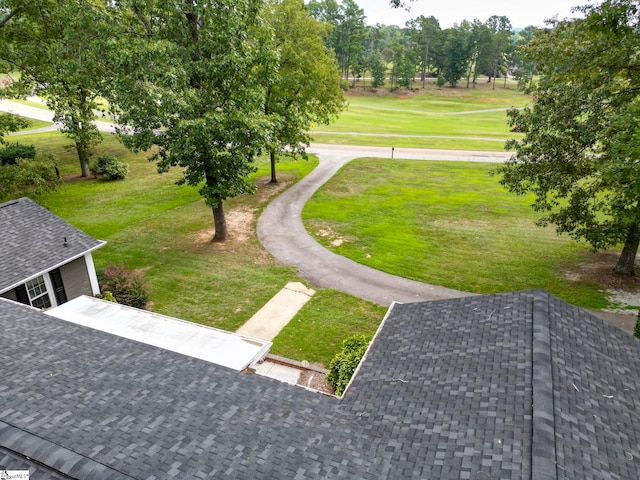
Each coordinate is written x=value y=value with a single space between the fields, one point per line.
x=521 y=13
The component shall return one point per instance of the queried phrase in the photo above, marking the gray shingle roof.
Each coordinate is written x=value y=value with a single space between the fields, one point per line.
x=32 y=241
x=449 y=389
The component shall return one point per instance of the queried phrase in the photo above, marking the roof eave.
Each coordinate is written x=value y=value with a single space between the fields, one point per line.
x=101 y=244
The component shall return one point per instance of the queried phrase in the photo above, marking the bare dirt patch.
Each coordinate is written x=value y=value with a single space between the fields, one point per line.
x=76 y=178
x=240 y=221
x=335 y=240
x=203 y=237
x=267 y=190
x=622 y=291
x=316 y=381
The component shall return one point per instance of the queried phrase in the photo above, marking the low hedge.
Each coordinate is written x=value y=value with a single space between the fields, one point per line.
x=344 y=364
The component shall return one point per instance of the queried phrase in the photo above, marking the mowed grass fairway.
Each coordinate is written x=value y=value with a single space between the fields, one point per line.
x=468 y=119
x=446 y=223
x=165 y=230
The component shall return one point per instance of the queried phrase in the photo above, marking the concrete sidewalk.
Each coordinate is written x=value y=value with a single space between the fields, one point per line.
x=269 y=321
x=274 y=316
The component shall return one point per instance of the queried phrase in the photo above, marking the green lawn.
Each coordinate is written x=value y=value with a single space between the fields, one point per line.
x=457 y=143
x=476 y=118
x=316 y=333
x=446 y=223
x=31 y=103
x=35 y=124
x=164 y=229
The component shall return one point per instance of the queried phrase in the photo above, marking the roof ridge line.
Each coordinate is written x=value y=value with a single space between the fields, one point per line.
x=543 y=445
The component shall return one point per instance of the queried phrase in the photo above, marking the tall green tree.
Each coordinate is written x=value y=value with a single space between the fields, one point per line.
x=11 y=123
x=407 y=67
x=580 y=155
x=378 y=69
x=500 y=27
x=351 y=34
x=524 y=68
x=457 y=53
x=58 y=47
x=348 y=32
x=427 y=30
x=306 y=86
x=329 y=12
x=397 y=62
x=480 y=49
x=192 y=85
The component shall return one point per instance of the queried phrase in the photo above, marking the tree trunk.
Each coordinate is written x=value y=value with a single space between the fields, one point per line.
x=426 y=62
x=83 y=156
x=272 y=154
x=627 y=260
x=220 y=223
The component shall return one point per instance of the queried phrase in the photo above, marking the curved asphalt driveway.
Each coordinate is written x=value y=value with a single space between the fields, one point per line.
x=281 y=232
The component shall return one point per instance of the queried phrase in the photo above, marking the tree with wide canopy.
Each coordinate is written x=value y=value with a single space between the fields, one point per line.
x=580 y=155
x=192 y=86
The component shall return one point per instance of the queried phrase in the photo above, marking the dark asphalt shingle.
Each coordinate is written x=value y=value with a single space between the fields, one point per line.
x=596 y=373
x=32 y=241
x=446 y=391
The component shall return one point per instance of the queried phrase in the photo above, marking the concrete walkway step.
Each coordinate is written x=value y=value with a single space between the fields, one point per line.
x=278 y=371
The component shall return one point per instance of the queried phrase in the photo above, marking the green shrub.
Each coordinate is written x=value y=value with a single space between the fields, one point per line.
x=110 y=168
x=636 y=331
x=441 y=81
x=127 y=286
x=108 y=296
x=344 y=364
x=12 y=152
x=28 y=178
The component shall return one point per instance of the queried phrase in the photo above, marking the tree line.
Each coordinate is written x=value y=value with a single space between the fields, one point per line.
x=406 y=57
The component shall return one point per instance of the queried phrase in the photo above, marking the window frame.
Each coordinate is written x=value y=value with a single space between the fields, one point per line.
x=48 y=288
